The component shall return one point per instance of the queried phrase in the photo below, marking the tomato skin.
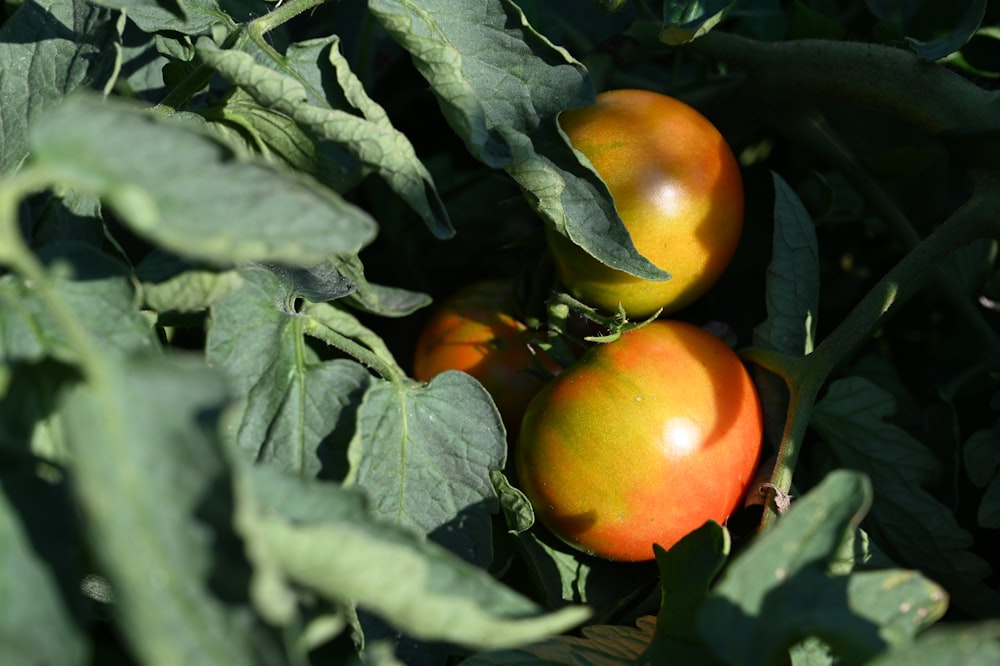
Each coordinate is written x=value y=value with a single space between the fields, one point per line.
x=677 y=188
x=475 y=330
x=641 y=441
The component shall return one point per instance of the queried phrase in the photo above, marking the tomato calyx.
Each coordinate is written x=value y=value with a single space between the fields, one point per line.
x=581 y=325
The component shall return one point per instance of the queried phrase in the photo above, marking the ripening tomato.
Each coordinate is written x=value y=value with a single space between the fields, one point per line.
x=677 y=188
x=475 y=330
x=641 y=441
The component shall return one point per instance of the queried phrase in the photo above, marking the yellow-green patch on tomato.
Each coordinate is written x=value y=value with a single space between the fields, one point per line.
x=641 y=442
x=677 y=188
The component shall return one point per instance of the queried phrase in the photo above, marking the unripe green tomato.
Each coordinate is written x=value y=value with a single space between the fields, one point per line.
x=677 y=188
x=476 y=330
x=641 y=441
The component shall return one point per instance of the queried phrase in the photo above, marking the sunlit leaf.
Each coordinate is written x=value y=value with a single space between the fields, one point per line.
x=363 y=129
x=293 y=410
x=501 y=86
x=175 y=184
x=423 y=455
x=321 y=537
x=49 y=48
x=155 y=491
x=686 y=20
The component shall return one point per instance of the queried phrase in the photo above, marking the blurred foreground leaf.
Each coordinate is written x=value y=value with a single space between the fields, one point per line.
x=175 y=184
x=780 y=591
x=155 y=492
x=321 y=537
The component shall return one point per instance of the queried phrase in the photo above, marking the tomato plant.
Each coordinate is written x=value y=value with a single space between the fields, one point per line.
x=223 y=224
x=476 y=330
x=676 y=186
x=642 y=441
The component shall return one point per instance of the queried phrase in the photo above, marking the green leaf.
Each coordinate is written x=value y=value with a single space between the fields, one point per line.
x=69 y=218
x=969 y=17
x=981 y=455
x=363 y=129
x=319 y=536
x=916 y=528
x=687 y=571
x=810 y=23
x=792 y=277
x=374 y=298
x=687 y=20
x=37 y=625
x=292 y=410
x=953 y=644
x=29 y=419
x=515 y=504
x=423 y=454
x=49 y=48
x=94 y=285
x=988 y=514
x=170 y=284
x=501 y=86
x=173 y=6
x=275 y=134
x=196 y=16
x=173 y=183
x=155 y=492
x=778 y=592
x=341 y=322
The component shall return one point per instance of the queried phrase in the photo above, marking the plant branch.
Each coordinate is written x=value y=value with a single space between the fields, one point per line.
x=979 y=217
x=810 y=129
x=362 y=354
x=281 y=14
x=18 y=256
x=880 y=77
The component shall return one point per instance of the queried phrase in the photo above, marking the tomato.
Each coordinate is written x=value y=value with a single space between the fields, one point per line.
x=475 y=330
x=641 y=441
x=677 y=188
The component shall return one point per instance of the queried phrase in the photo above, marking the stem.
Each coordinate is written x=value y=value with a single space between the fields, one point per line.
x=18 y=256
x=811 y=129
x=871 y=75
x=365 y=356
x=255 y=30
x=281 y=14
x=977 y=218
x=804 y=380
x=805 y=376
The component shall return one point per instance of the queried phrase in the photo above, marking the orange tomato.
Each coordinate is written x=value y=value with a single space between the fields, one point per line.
x=641 y=441
x=475 y=330
x=677 y=188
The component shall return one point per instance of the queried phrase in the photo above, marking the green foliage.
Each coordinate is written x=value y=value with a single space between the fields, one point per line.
x=222 y=222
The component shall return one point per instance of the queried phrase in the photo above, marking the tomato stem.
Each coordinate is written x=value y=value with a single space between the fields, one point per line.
x=875 y=76
x=386 y=369
x=811 y=129
x=979 y=217
x=18 y=256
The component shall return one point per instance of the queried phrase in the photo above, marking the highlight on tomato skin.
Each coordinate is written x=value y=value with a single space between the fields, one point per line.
x=676 y=186
x=476 y=330
x=641 y=442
